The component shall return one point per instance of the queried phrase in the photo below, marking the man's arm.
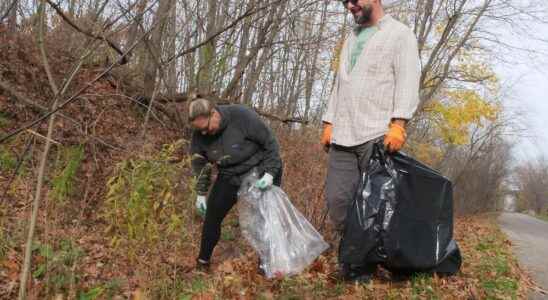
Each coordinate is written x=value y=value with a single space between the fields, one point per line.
x=407 y=77
x=329 y=114
x=406 y=94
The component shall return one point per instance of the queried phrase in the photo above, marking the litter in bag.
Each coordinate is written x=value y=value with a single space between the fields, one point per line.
x=283 y=238
x=401 y=217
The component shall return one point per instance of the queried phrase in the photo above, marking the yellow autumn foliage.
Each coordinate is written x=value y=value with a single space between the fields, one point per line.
x=426 y=153
x=458 y=112
x=472 y=68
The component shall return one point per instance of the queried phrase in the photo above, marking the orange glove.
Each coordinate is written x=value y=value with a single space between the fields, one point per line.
x=395 y=138
x=326 y=134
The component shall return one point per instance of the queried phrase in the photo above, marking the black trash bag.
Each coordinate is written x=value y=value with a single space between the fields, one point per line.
x=401 y=217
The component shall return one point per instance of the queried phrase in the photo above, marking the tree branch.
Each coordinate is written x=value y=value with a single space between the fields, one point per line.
x=112 y=44
x=281 y=119
x=247 y=13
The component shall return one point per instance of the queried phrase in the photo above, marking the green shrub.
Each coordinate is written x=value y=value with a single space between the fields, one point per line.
x=141 y=203
x=63 y=182
x=8 y=161
x=103 y=291
x=56 y=266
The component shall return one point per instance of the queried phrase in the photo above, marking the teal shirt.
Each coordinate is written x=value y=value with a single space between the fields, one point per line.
x=363 y=36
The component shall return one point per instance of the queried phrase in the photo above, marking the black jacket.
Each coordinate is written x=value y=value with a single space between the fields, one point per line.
x=244 y=141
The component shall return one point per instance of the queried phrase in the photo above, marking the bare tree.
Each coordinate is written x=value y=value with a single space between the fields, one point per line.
x=532 y=183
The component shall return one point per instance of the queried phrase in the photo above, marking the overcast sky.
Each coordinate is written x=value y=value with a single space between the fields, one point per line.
x=527 y=81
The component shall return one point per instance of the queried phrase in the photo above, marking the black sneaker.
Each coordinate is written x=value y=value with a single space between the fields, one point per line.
x=260 y=268
x=342 y=273
x=361 y=279
x=202 y=265
x=355 y=273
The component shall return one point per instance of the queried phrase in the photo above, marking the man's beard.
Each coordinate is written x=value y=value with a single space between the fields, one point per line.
x=366 y=15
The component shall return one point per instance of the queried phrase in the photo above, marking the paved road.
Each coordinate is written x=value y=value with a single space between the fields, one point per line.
x=529 y=238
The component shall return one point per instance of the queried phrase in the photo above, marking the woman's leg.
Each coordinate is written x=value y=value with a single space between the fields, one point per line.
x=278 y=177
x=221 y=199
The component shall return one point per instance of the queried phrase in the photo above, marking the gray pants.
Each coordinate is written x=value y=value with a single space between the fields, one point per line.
x=343 y=178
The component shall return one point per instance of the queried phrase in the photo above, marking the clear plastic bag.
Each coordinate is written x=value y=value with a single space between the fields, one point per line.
x=284 y=239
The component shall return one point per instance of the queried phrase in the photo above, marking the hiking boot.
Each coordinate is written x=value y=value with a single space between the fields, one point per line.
x=354 y=274
x=202 y=265
x=341 y=274
x=261 y=268
x=361 y=279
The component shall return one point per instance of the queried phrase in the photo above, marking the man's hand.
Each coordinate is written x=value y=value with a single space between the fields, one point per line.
x=265 y=182
x=201 y=205
x=396 y=136
x=326 y=135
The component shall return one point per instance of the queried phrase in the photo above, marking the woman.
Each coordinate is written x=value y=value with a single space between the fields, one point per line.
x=235 y=140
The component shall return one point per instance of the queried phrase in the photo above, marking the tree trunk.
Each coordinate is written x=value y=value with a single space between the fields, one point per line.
x=155 y=47
x=134 y=29
x=171 y=76
x=275 y=16
x=233 y=89
x=207 y=53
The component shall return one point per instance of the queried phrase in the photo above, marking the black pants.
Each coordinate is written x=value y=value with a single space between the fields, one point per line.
x=343 y=177
x=221 y=199
x=346 y=164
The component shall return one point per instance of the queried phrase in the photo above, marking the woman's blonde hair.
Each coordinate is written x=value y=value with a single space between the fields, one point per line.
x=199 y=108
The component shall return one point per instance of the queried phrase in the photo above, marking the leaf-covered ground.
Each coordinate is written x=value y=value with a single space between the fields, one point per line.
x=489 y=272
x=92 y=267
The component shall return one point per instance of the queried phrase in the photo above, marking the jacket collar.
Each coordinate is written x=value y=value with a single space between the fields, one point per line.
x=225 y=116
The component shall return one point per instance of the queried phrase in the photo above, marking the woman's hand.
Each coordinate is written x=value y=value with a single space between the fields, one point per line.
x=201 y=205
x=265 y=182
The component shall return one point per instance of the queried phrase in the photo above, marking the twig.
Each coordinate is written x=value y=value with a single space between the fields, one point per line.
x=533 y=285
x=281 y=119
x=43 y=160
x=149 y=109
x=45 y=61
x=540 y=290
x=44 y=137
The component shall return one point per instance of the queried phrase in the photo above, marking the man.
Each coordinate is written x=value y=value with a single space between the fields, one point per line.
x=375 y=94
x=235 y=140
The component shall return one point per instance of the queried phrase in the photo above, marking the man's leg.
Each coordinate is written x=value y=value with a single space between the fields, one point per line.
x=278 y=177
x=222 y=198
x=363 y=273
x=344 y=173
x=364 y=153
x=342 y=181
